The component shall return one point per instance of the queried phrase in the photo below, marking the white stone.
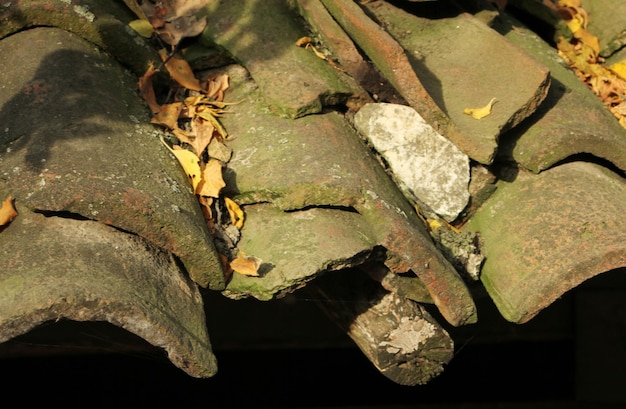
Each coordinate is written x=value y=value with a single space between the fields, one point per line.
x=424 y=164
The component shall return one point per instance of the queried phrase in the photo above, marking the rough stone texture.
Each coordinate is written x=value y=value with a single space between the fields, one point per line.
x=101 y=22
x=545 y=234
x=261 y=35
x=424 y=164
x=75 y=139
x=316 y=200
x=54 y=268
x=572 y=119
x=464 y=64
x=398 y=335
x=390 y=59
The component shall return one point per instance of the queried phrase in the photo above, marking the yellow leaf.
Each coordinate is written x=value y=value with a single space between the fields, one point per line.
x=7 y=211
x=246 y=265
x=190 y=163
x=142 y=27
x=207 y=115
x=212 y=181
x=236 y=214
x=303 y=41
x=479 y=113
x=619 y=68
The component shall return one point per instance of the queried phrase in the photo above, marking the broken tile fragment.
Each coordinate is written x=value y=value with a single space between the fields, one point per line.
x=426 y=165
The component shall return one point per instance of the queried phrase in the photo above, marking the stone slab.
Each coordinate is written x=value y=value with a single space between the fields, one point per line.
x=54 y=268
x=464 y=64
x=545 y=234
x=75 y=138
x=425 y=165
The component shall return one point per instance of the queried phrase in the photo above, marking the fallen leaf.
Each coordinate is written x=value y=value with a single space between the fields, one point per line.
x=246 y=265
x=479 y=113
x=146 y=90
x=203 y=132
x=189 y=162
x=208 y=114
x=212 y=182
x=235 y=212
x=7 y=211
x=168 y=115
x=180 y=71
x=217 y=84
x=304 y=41
x=619 y=68
x=142 y=27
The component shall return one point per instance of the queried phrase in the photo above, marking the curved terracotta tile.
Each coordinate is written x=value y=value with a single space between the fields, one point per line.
x=55 y=268
x=545 y=234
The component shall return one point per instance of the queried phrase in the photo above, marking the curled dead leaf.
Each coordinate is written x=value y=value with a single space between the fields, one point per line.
x=212 y=182
x=168 y=115
x=235 y=212
x=479 y=113
x=7 y=211
x=304 y=41
x=180 y=71
x=146 y=90
x=246 y=265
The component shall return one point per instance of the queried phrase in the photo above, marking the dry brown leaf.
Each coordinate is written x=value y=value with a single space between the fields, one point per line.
x=217 y=84
x=7 y=211
x=208 y=115
x=180 y=71
x=168 y=115
x=146 y=90
x=203 y=134
x=246 y=265
x=212 y=181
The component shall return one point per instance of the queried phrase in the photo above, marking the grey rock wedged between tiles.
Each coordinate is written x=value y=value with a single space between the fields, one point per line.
x=426 y=166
